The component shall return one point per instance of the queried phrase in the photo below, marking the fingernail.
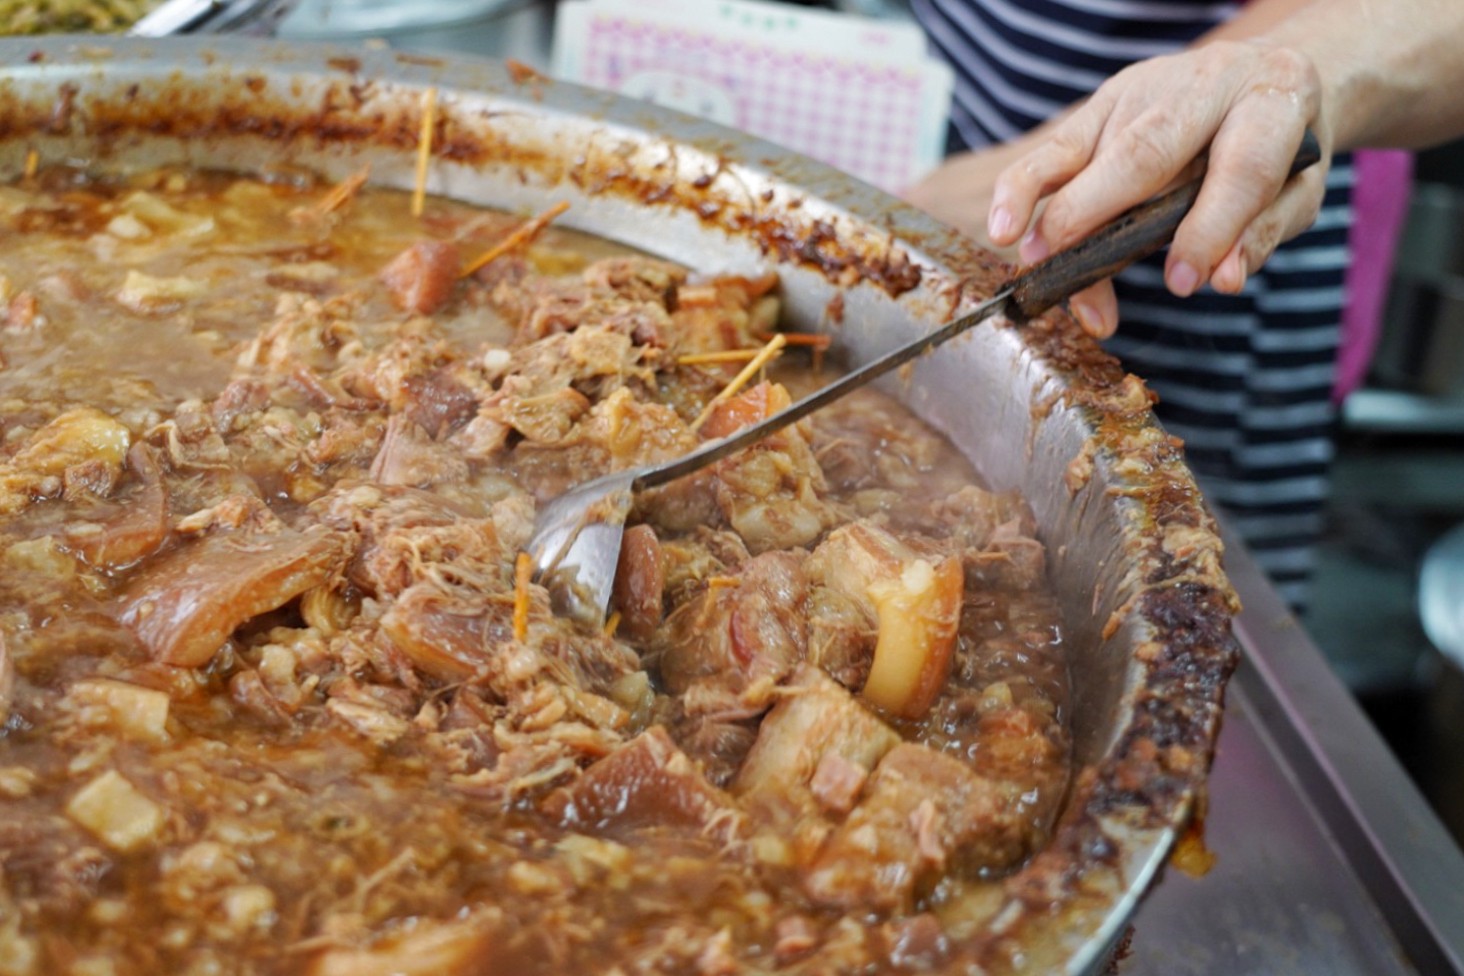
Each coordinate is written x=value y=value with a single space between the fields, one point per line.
x=1000 y=224
x=1089 y=319
x=1183 y=279
x=1033 y=248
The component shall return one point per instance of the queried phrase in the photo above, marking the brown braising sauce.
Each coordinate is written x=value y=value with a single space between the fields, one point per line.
x=275 y=700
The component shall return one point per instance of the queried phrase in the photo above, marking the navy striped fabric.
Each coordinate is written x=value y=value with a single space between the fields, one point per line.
x=1245 y=379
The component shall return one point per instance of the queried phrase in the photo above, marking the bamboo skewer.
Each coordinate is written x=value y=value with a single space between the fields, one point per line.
x=740 y=380
x=521 y=236
x=712 y=358
x=523 y=571
x=336 y=198
x=424 y=150
x=812 y=340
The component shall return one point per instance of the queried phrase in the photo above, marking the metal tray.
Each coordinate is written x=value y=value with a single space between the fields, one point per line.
x=1328 y=860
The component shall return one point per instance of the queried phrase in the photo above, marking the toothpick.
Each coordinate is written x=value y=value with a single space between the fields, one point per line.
x=424 y=149
x=521 y=236
x=337 y=196
x=815 y=341
x=709 y=358
x=523 y=570
x=767 y=352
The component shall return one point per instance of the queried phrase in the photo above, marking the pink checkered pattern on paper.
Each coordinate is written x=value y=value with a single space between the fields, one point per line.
x=860 y=118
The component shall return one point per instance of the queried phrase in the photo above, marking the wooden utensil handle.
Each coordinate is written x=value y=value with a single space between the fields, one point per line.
x=1132 y=235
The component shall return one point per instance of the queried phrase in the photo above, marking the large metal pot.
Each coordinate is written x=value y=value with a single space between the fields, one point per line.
x=1039 y=408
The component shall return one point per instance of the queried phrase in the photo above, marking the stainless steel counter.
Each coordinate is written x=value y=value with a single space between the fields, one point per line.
x=1329 y=860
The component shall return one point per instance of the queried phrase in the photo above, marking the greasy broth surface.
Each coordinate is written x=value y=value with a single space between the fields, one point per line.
x=274 y=701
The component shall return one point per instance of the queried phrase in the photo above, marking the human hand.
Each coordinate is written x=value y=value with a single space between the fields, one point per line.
x=959 y=193
x=1248 y=102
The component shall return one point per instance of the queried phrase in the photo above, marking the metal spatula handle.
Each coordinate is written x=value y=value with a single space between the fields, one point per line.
x=1131 y=236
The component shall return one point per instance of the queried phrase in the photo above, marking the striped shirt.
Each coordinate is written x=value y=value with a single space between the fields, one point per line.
x=1245 y=380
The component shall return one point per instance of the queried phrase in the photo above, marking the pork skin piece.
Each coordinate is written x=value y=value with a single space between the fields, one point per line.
x=640 y=582
x=408 y=456
x=916 y=601
x=454 y=635
x=815 y=721
x=545 y=418
x=637 y=278
x=187 y=603
x=770 y=493
x=437 y=401
x=585 y=359
x=690 y=560
x=395 y=524
x=920 y=812
x=751 y=407
x=973 y=515
x=240 y=398
x=138 y=530
x=840 y=636
x=717 y=742
x=739 y=637
x=445 y=641
x=420 y=279
x=80 y=436
x=712 y=315
x=1013 y=559
x=645 y=323
x=421 y=948
x=647 y=782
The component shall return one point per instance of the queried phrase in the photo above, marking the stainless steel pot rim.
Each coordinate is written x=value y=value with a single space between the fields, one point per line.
x=1132 y=547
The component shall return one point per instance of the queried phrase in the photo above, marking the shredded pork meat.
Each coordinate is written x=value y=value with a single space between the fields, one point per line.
x=274 y=700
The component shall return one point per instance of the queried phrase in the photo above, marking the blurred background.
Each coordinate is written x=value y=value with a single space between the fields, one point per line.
x=1389 y=594
x=1388 y=605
